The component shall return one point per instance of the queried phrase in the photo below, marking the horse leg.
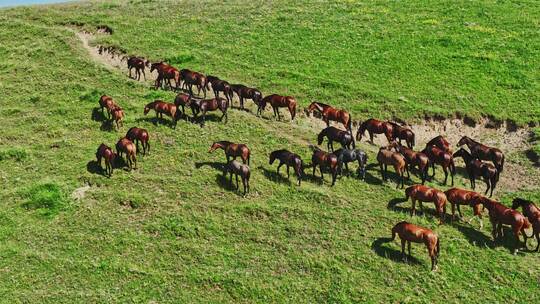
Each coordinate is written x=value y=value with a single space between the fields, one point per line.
x=279 y=166
x=537 y=241
x=288 y=170
x=445 y=174
x=382 y=171
x=409 y=248
x=236 y=181
x=314 y=168
x=403 y=257
x=413 y=208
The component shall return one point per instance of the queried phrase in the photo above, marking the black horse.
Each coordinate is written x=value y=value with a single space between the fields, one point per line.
x=289 y=159
x=335 y=134
x=346 y=156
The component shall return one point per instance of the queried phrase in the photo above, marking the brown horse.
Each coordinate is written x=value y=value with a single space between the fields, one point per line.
x=330 y=113
x=124 y=145
x=500 y=215
x=161 y=108
x=232 y=150
x=166 y=73
x=533 y=215
x=457 y=197
x=206 y=105
x=106 y=102
x=412 y=233
x=335 y=134
x=484 y=152
x=245 y=92
x=138 y=64
x=137 y=134
x=278 y=101
x=402 y=133
x=197 y=79
x=374 y=126
x=219 y=85
x=441 y=143
x=413 y=159
x=443 y=158
x=290 y=160
x=182 y=100
x=238 y=169
x=105 y=152
x=117 y=116
x=387 y=157
x=325 y=160
x=477 y=168
x=423 y=193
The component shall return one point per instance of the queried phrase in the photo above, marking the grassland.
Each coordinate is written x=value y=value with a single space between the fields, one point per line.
x=174 y=230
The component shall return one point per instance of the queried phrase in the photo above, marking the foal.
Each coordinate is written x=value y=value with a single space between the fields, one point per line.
x=117 y=116
x=533 y=214
x=108 y=154
x=138 y=64
x=161 y=108
x=484 y=152
x=477 y=168
x=290 y=160
x=137 y=134
x=346 y=156
x=325 y=160
x=412 y=233
x=423 y=193
x=205 y=105
x=457 y=197
x=124 y=145
x=232 y=150
x=402 y=133
x=237 y=168
x=387 y=157
x=335 y=134
x=413 y=159
x=182 y=100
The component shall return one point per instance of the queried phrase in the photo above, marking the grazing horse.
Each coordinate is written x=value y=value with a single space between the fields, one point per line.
x=232 y=150
x=374 y=126
x=412 y=233
x=182 y=100
x=138 y=64
x=161 y=108
x=108 y=154
x=290 y=160
x=278 y=101
x=477 y=168
x=206 y=105
x=441 y=143
x=500 y=215
x=533 y=214
x=413 y=159
x=237 y=168
x=325 y=160
x=138 y=134
x=387 y=157
x=457 y=197
x=334 y=134
x=219 y=85
x=106 y=102
x=422 y=194
x=197 y=79
x=484 y=152
x=346 y=156
x=443 y=158
x=246 y=92
x=330 y=113
x=124 y=145
x=402 y=133
x=117 y=116
x=166 y=72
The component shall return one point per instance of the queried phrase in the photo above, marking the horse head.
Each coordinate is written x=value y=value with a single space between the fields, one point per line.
x=463 y=141
x=320 y=137
x=462 y=153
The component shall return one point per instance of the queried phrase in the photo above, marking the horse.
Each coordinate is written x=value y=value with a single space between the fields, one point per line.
x=166 y=72
x=457 y=197
x=106 y=102
x=105 y=152
x=219 y=85
x=237 y=168
x=477 y=168
x=413 y=159
x=205 y=105
x=423 y=193
x=124 y=145
x=117 y=116
x=387 y=157
x=441 y=143
x=248 y=93
x=182 y=100
x=137 y=134
x=325 y=160
x=402 y=133
x=290 y=160
x=500 y=215
x=346 y=156
x=278 y=101
x=192 y=78
x=138 y=64
x=232 y=150
x=483 y=152
x=334 y=134
x=329 y=113
x=443 y=158
x=375 y=126
x=412 y=233
x=161 y=108
x=533 y=215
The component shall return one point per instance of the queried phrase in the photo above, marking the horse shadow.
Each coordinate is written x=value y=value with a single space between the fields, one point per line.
x=155 y=120
x=428 y=208
x=93 y=166
x=209 y=117
x=216 y=165
x=107 y=125
x=392 y=254
x=474 y=236
x=278 y=177
x=98 y=115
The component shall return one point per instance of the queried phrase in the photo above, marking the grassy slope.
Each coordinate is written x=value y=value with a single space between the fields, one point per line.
x=171 y=230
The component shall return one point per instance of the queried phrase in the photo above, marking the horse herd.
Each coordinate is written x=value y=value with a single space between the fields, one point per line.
x=481 y=161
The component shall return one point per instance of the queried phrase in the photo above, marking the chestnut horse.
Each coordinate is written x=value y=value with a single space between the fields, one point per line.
x=197 y=79
x=106 y=102
x=335 y=134
x=346 y=156
x=182 y=100
x=232 y=150
x=166 y=72
x=533 y=215
x=443 y=158
x=441 y=143
x=325 y=160
x=402 y=133
x=413 y=159
x=248 y=93
x=105 y=152
x=219 y=85
x=330 y=113
x=374 y=126
x=457 y=197
x=138 y=134
x=278 y=101
x=161 y=108
x=124 y=145
x=206 y=105
x=387 y=157
x=412 y=233
x=484 y=152
x=476 y=168
x=290 y=160
x=117 y=116
x=138 y=64
x=422 y=194
x=238 y=169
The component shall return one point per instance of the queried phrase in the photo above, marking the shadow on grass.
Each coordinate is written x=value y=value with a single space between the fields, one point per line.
x=392 y=254
x=94 y=168
x=484 y=238
x=98 y=115
x=216 y=165
x=428 y=208
x=276 y=177
x=155 y=120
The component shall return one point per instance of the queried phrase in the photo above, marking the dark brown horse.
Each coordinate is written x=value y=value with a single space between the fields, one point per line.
x=374 y=126
x=139 y=135
x=457 y=197
x=412 y=233
x=197 y=79
x=245 y=92
x=387 y=157
x=117 y=115
x=290 y=160
x=325 y=160
x=238 y=169
x=484 y=152
x=161 y=108
x=279 y=101
x=330 y=113
x=400 y=133
x=413 y=159
x=441 y=143
x=334 y=134
x=105 y=152
x=166 y=73
x=138 y=64
x=533 y=215
x=206 y=105
x=124 y=145
x=182 y=100
x=476 y=168
x=219 y=85
x=232 y=150
x=422 y=194
x=443 y=158
x=106 y=102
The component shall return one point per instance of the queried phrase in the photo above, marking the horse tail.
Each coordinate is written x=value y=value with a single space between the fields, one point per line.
x=502 y=163
x=413 y=141
x=438 y=247
x=293 y=110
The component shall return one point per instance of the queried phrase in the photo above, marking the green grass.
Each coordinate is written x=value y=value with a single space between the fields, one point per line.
x=174 y=230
